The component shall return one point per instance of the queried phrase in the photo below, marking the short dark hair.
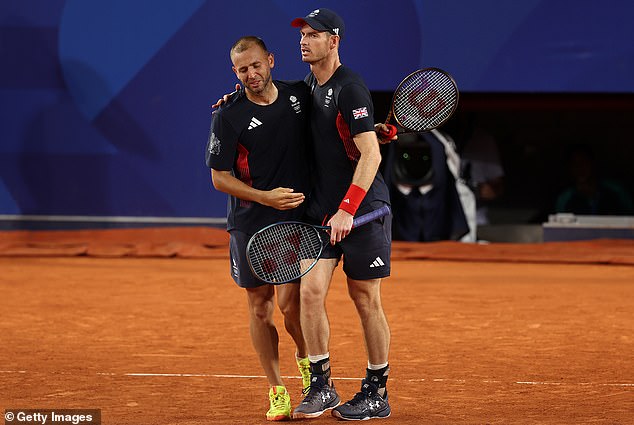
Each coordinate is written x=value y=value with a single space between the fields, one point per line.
x=245 y=42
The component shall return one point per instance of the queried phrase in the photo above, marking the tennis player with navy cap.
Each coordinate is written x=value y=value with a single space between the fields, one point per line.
x=322 y=20
x=346 y=183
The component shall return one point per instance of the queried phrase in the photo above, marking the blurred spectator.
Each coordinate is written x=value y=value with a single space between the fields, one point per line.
x=589 y=193
x=420 y=170
x=482 y=170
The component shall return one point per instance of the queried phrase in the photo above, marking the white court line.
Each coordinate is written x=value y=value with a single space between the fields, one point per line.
x=578 y=383
x=207 y=375
x=187 y=356
x=458 y=381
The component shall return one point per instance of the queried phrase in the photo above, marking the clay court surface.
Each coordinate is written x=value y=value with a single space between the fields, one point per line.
x=148 y=327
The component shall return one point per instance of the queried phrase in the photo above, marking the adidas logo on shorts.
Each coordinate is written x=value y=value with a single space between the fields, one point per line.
x=377 y=263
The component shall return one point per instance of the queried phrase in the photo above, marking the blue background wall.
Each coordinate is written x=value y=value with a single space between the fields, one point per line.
x=105 y=106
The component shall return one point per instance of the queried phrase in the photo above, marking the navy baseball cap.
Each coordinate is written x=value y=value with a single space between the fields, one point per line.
x=322 y=20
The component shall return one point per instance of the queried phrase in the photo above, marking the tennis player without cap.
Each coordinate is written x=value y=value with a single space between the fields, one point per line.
x=257 y=154
x=347 y=183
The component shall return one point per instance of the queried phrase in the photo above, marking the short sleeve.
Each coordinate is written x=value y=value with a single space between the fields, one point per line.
x=221 y=143
x=356 y=108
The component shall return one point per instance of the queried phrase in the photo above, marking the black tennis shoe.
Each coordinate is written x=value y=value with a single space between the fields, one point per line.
x=319 y=397
x=366 y=404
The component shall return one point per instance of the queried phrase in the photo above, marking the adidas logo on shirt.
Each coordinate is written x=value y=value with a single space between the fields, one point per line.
x=377 y=263
x=254 y=123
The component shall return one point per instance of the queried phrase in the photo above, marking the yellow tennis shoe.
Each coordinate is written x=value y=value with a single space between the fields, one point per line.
x=280 y=400
x=304 y=369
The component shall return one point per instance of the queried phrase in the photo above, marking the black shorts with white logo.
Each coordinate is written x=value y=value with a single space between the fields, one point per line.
x=240 y=270
x=366 y=250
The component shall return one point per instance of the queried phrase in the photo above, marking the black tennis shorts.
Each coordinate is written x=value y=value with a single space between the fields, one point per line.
x=366 y=250
x=240 y=270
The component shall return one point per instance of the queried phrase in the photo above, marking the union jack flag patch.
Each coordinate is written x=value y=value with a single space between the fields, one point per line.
x=360 y=113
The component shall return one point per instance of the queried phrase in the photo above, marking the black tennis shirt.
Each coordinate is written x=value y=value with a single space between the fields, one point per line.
x=341 y=109
x=265 y=147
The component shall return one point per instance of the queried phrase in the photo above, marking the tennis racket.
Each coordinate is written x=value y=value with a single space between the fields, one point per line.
x=285 y=251
x=424 y=100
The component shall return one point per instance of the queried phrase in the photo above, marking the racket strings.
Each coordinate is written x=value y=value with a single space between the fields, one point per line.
x=425 y=100
x=282 y=252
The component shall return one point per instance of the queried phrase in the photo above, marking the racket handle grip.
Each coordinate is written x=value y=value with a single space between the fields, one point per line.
x=373 y=215
x=391 y=131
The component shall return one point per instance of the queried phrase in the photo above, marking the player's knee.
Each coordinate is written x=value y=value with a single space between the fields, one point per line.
x=366 y=300
x=365 y=307
x=312 y=295
x=290 y=308
x=262 y=312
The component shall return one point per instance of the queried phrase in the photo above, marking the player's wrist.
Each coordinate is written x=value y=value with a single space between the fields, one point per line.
x=345 y=213
x=352 y=199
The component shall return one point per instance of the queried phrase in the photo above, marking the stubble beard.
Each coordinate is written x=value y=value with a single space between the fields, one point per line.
x=266 y=84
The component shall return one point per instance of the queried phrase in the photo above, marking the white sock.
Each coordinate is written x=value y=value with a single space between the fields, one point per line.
x=377 y=366
x=318 y=357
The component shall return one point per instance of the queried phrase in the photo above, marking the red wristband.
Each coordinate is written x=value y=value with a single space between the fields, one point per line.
x=353 y=199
